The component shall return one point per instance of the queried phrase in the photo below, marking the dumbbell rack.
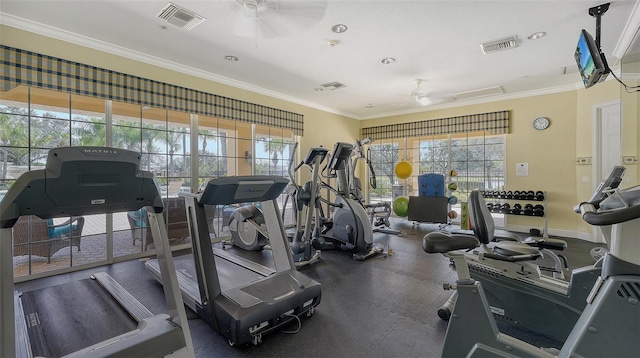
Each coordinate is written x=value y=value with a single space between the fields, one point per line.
x=533 y=196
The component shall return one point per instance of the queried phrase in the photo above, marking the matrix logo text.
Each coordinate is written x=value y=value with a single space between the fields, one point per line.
x=100 y=152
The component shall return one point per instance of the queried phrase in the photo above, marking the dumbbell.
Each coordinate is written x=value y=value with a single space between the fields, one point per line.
x=506 y=208
x=509 y=194
x=530 y=195
x=516 y=195
x=538 y=210
x=528 y=209
x=490 y=206
x=539 y=195
x=496 y=207
x=517 y=208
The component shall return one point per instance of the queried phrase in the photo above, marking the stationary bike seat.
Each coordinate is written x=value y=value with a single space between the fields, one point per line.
x=441 y=242
x=511 y=248
x=551 y=244
x=513 y=252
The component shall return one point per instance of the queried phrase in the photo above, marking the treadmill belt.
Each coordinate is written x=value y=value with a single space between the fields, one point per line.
x=65 y=318
x=229 y=274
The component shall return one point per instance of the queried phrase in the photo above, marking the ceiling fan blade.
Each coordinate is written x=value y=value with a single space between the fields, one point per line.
x=429 y=100
x=275 y=19
x=424 y=98
x=302 y=11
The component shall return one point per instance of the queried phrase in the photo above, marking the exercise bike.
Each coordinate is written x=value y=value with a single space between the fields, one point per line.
x=519 y=293
x=380 y=212
x=608 y=326
x=350 y=228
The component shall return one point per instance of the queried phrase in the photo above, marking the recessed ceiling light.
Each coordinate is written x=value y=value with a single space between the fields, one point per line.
x=537 y=35
x=369 y=106
x=318 y=89
x=231 y=58
x=387 y=60
x=339 y=28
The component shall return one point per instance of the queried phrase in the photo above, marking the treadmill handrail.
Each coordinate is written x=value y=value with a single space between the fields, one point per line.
x=76 y=181
x=242 y=189
x=93 y=180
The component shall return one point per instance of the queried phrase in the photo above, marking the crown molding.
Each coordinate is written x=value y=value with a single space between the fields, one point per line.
x=84 y=41
x=628 y=33
x=481 y=100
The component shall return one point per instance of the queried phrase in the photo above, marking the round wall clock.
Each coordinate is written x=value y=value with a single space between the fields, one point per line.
x=541 y=123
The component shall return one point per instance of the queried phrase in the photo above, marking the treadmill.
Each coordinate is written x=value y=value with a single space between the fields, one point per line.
x=256 y=300
x=64 y=320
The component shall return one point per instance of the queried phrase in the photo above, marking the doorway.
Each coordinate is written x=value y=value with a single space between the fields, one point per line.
x=607 y=146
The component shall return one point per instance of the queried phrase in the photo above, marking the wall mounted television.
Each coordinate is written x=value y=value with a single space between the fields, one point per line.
x=591 y=62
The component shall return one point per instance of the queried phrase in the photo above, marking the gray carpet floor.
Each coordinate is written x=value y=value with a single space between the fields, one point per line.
x=383 y=307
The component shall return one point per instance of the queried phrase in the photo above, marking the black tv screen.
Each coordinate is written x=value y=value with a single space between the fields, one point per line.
x=590 y=61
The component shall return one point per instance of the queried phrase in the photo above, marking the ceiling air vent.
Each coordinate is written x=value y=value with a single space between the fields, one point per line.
x=499 y=45
x=180 y=17
x=333 y=86
x=489 y=91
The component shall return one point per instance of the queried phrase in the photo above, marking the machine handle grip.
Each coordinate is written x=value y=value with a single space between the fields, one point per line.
x=591 y=216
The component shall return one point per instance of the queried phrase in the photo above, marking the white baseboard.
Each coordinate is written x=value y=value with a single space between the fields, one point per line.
x=556 y=232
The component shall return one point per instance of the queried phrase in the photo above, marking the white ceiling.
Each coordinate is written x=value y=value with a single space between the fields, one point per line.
x=436 y=41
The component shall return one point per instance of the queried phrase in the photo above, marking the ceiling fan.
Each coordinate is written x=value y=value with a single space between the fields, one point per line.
x=275 y=18
x=423 y=98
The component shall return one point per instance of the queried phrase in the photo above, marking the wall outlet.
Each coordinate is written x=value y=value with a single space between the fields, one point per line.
x=629 y=160
x=585 y=179
x=583 y=160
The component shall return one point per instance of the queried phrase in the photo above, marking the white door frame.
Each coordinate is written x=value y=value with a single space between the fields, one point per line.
x=596 y=170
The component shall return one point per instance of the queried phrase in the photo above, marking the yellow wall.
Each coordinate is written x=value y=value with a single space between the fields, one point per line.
x=551 y=154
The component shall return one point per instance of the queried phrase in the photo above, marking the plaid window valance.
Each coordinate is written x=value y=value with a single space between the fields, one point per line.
x=20 y=67
x=493 y=122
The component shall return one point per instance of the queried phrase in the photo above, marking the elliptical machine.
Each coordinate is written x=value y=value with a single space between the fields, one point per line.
x=350 y=228
x=247 y=222
x=306 y=241
x=246 y=227
x=378 y=212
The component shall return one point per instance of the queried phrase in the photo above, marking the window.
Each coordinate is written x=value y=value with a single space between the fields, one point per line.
x=34 y=120
x=272 y=150
x=384 y=157
x=477 y=157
